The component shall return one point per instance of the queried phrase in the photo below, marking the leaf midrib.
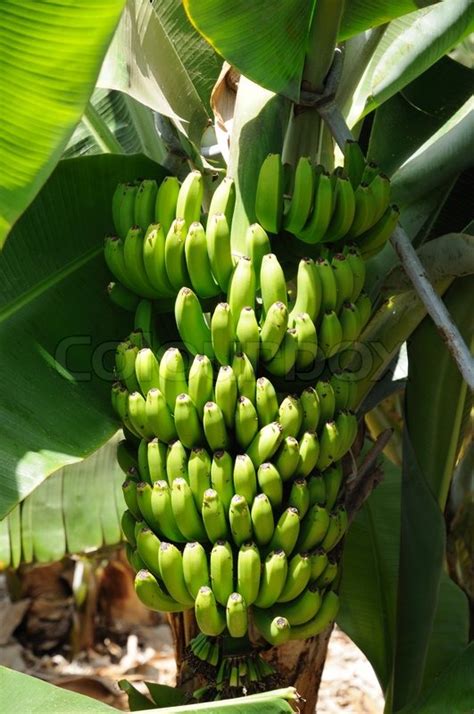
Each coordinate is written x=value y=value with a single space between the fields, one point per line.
x=44 y=285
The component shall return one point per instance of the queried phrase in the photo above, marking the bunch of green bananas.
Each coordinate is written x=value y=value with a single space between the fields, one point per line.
x=353 y=203
x=160 y=245
x=234 y=485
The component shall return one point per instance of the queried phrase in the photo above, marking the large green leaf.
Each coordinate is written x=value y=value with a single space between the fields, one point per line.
x=129 y=122
x=51 y=55
x=446 y=153
x=265 y=40
x=360 y=15
x=57 y=325
x=452 y=691
x=432 y=34
x=435 y=434
x=158 y=58
x=20 y=693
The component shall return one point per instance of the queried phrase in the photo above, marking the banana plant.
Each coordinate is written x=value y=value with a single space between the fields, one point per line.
x=159 y=85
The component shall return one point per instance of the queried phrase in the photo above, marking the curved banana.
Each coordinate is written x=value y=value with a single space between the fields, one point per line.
x=284 y=360
x=159 y=416
x=171 y=568
x=222 y=333
x=236 y=615
x=122 y=296
x=272 y=582
x=276 y=630
x=123 y=208
x=222 y=571
x=273 y=330
x=188 y=205
x=152 y=596
x=325 y=272
x=319 y=561
x=199 y=474
x=245 y=478
x=344 y=209
x=364 y=211
x=239 y=520
x=344 y=279
x=357 y=265
x=172 y=376
x=154 y=260
x=144 y=208
x=214 y=427
x=192 y=325
x=350 y=323
x=200 y=382
x=309 y=453
x=219 y=249
x=147 y=370
x=213 y=516
x=163 y=513
x=286 y=531
x=137 y=415
x=270 y=483
x=354 y=162
x=265 y=443
x=301 y=201
x=307 y=340
x=299 y=497
x=245 y=376
x=242 y=288
x=290 y=416
x=223 y=199
x=257 y=245
x=364 y=308
x=148 y=546
x=327 y=401
x=166 y=200
x=185 y=511
x=379 y=190
x=248 y=572
x=329 y=445
x=133 y=246
x=263 y=522
x=317 y=490
x=313 y=528
x=198 y=263
x=333 y=480
x=328 y=576
x=175 y=256
x=325 y=615
x=113 y=254
x=266 y=401
x=330 y=334
x=303 y=608
x=187 y=422
x=226 y=393
x=248 y=335
x=299 y=573
x=308 y=291
x=319 y=220
x=221 y=477
x=309 y=401
x=287 y=457
x=246 y=422
x=269 y=193
x=210 y=617
x=176 y=462
x=195 y=568
x=272 y=282
x=373 y=240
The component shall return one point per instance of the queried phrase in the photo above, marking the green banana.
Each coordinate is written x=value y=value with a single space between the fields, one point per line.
x=273 y=330
x=163 y=513
x=195 y=568
x=219 y=249
x=200 y=382
x=126 y=456
x=317 y=491
x=236 y=615
x=245 y=375
x=248 y=572
x=319 y=561
x=307 y=339
x=371 y=170
x=122 y=296
x=198 y=263
x=290 y=416
x=344 y=209
x=269 y=193
x=364 y=308
x=303 y=608
x=302 y=197
x=342 y=386
x=172 y=376
x=242 y=288
x=276 y=630
x=270 y=483
x=328 y=576
x=309 y=401
x=344 y=279
x=333 y=480
x=171 y=568
x=265 y=443
x=166 y=200
x=159 y=416
x=330 y=334
x=113 y=254
x=176 y=461
x=272 y=282
x=319 y=220
x=284 y=360
x=327 y=401
x=127 y=524
x=129 y=490
x=226 y=394
x=144 y=493
x=152 y=596
x=222 y=571
x=239 y=519
x=188 y=205
x=142 y=457
x=262 y=519
x=145 y=203
x=299 y=496
x=199 y=474
x=185 y=511
x=148 y=546
x=246 y=422
x=373 y=240
x=325 y=615
x=309 y=453
x=134 y=559
x=308 y=291
x=327 y=278
x=213 y=516
x=134 y=263
x=154 y=260
x=210 y=617
x=221 y=477
x=125 y=357
x=257 y=245
x=272 y=582
x=222 y=333
x=214 y=427
x=137 y=415
x=286 y=531
x=187 y=422
x=337 y=527
x=144 y=328
x=354 y=162
x=175 y=256
x=287 y=457
x=248 y=335
x=223 y=199
x=245 y=478
x=364 y=211
x=350 y=323
x=266 y=401
x=346 y=423
x=357 y=265
x=379 y=189
x=313 y=528
x=147 y=370
x=192 y=325
x=123 y=208
x=329 y=445
x=299 y=573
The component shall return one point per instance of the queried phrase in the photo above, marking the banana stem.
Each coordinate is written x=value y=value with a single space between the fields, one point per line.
x=413 y=267
x=103 y=137
x=322 y=42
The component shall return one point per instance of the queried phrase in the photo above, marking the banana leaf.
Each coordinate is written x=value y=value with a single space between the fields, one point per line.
x=51 y=54
x=360 y=15
x=57 y=325
x=159 y=59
